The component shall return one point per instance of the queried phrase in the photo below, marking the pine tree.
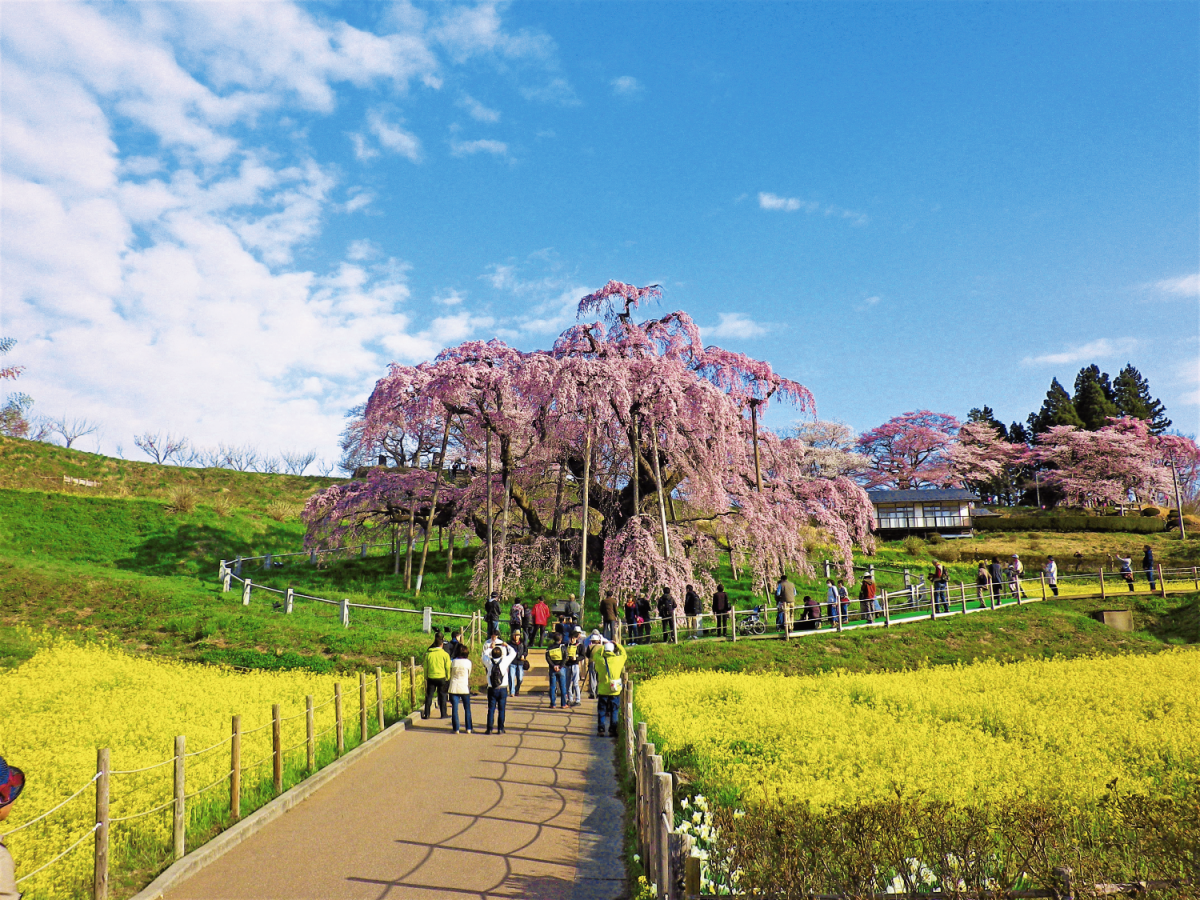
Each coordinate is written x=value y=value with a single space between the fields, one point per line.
x=1093 y=398
x=1131 y=394
x=1057 y=409
x=986 y=414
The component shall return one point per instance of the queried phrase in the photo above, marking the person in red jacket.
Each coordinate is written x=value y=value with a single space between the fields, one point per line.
x=541 y=616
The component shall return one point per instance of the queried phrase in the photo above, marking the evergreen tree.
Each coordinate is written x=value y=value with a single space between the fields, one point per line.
x=1018 y=434
x=1093 y=398
x=1131 y=394
x=1057 y=409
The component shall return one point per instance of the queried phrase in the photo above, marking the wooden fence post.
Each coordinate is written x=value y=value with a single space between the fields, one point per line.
x=346 y=612
x=733 y=621
x=1162 y=582
x=379 y=695
x=289 y=601
x=100 y=871
x=627 y=719
x=652 y=820
x=665 y=824
x=310 y=733
x=412 y=684
x=1043 y=585
x=235 y=770
x=179 y=820
x=246 y=586
x=1062 y=875
x=399 y=688
x=887 y=611
x=363 y=730
x=691 y=875
x=1102 y=596
x=1196 y=577
x=962 y=585
x=339 y=722
x=277 y=748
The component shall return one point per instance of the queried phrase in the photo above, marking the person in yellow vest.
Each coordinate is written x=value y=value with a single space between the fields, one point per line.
x=573 y=659
x=437 y=677
x=610 y=666
x=555 y=662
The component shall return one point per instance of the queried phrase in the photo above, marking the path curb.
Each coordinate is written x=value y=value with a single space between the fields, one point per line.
x=260 y=818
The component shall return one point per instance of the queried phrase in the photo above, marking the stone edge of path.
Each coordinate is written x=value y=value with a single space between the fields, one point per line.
x=260 y=818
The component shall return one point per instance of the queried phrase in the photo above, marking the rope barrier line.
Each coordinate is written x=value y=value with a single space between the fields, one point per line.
x=208 y=787
x=54 y=808
x=159 y=808
x=298 y=715
x=255 y=730
x=221 y=743
x=165 y=762
x=89 y=833
x=255 y=765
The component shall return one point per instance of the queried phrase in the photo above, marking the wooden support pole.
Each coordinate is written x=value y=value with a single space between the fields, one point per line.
x=399 y=689
x=100 y=871
x=235 y=770
x=691 y=877
x=277 y=748
x=363 y=729
x=1102 y=596
x=1162 y=582
x=246 y=588
x=289 y=601
x=652 y=819
x=179 y=819
x=627 y=719
x=962 y=586
x=887 y=611
x=379 y=695
x=665 y=824
x=1043 y=585
x=1196 y=577
x=339 y=722
x=310 y=733
x=733 y=621
x=412 y=683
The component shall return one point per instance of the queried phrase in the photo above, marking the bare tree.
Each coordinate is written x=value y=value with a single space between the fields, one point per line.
x=241 y=458
x=72 y=429
x=296 y=462
x=161 y=448
x=325 y=467
x=269 y=465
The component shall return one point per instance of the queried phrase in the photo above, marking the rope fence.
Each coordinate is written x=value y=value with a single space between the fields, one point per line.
x=401 y=687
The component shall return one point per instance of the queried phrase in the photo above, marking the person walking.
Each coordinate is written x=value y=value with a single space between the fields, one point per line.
x=516 y=673
x=831 y=601
x=589 y=645
x=1050 y=570
x=572 y=658
x=516 y=619
x=866 y=598
x=1148 y=566
x=631 y=618
x=941 y=591
x=491 y=612
x=691 y=607
x=983 y=581
x=460 y=691
x=1016 y=571
x=541 y=617
x=555 y=659
x=497 y=663
x=610 y=612
x=721 y=607
x=844 y=600
x=437 y=677
x=645 y=614
x=610 y=662
x=12 y=782
x=996 y=574
x=1126 y=565
x=527 y=623
x=666 y=612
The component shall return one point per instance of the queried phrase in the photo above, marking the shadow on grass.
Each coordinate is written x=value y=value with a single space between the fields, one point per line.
x=191 y=548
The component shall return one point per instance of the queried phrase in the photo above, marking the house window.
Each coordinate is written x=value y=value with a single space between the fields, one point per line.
x=894 y=516
x=944 y=515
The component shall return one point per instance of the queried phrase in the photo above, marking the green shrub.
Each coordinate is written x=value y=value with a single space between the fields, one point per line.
x=182 y=499
x=935 y=539
x=1153 y=511
x=913 y=545
x=1128 y=524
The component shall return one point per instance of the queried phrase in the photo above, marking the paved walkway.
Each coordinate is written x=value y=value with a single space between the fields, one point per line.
x=530 y=813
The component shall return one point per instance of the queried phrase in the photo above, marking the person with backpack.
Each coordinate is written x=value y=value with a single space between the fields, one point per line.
x=644 y=615
x=589 y=645
x=1126 y=564
x=941 y=590
x=527 y=623
x=516 y=619
x=12 y=782
x=491 y=612
x=610 y=664
x=572 y=610
x=556 y=664
x=497 y=662
x=666 y=612
x=609 y=615
x=516 y=673
x=437 y=677
x=541 y=618
x=866 y=598
x=721 y=607
x=460 y=691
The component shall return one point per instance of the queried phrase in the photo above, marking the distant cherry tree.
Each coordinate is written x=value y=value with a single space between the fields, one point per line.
x=912 y=450
x=1108 y=467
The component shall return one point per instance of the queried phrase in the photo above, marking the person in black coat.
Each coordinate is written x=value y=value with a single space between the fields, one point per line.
x=1148 y=566
x=997 y=572
x=721 y=607
x=666 y=612
x=643 y=611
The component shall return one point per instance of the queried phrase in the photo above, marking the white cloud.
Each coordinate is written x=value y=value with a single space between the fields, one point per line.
x=469 y=148
x=1101 y=348
x=450 y=298
x=774 y=202
x=361 y=250
x=734 y=325
x=467 y=31
x=359 y=199
x=394 y=138
x=1184 y=285
x=477 y=110
x=871 y=301
x=557 y=91
x=362 y=150
x=625 y=86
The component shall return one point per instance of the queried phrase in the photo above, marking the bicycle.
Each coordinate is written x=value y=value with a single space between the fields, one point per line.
x=753 y=623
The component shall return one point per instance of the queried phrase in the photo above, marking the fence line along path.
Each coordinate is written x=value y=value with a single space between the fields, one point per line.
x=533 y=812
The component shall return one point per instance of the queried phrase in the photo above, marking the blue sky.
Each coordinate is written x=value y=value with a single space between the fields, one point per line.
x=225 y=220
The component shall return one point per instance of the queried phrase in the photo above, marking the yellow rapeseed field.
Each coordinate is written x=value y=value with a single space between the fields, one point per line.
x=69 y=700
x=1056 y=730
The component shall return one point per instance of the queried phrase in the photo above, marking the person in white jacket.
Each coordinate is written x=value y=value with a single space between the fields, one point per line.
x=460 y=691
x=495 y=664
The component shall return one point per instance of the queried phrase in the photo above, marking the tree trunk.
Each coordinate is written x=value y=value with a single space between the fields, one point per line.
x=450 y=553
x=412 y=516
x=504 y=533
x=488 y=476
x=662 y=507
x=395 y=548
x=437 y=483
x=637 y=467
x=754 y=438
x=587 y=477
x=557 y=524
